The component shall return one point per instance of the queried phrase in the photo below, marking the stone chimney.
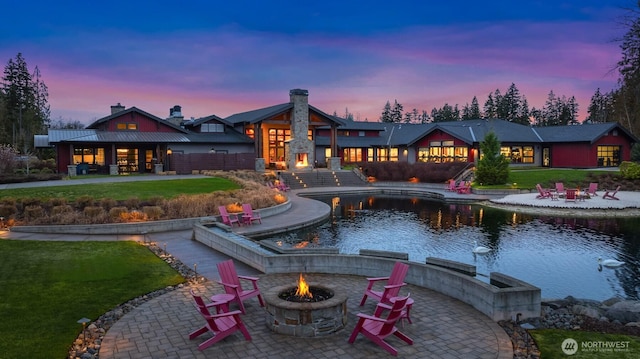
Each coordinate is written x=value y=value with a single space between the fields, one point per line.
x=175 y=115
x=116 y=108
x=301 y=149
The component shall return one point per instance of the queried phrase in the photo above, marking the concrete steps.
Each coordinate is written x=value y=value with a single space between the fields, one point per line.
x=322 y=178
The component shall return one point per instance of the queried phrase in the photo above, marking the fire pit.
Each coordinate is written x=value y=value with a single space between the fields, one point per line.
x=308 y=310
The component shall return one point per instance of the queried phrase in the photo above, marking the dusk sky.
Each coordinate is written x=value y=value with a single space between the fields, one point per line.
x=221 y=58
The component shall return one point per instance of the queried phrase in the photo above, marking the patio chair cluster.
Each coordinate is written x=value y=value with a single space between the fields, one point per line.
x=569 y=194
x=463 y=187
x=247 y=217
x=376 y=327
x=278 y=185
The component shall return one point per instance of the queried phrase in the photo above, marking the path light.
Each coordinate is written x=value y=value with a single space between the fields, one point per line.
x=195 y=269
x=84 y=322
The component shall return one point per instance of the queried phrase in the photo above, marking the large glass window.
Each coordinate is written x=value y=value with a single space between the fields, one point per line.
x=212 y=127
x=127 y=159
x=92 y=156
x=277 y=138
x=387 y=154
x=352 y=155
x=443 y=151
x=608 y=156
x=518 y=154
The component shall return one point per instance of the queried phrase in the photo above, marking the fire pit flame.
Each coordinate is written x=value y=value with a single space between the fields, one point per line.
x=303 y=288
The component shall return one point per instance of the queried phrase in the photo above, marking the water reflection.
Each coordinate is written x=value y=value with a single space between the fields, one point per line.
x=557 y=254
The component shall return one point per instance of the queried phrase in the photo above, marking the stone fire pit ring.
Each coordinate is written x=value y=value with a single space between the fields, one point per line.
x=306 y=319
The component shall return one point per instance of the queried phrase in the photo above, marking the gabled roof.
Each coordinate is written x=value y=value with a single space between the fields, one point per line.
x=93 y=135
x=580 y=133
x=474 y=131
x=201 y=120
x=271 y=111
x=100 y=121
x=259 y=114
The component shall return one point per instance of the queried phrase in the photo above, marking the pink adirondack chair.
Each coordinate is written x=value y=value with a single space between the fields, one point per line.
x=228 y=219
x=220 y=325
x=608 y=195
x=560 y=188
x=464 y=187
x=230 y=279
x=570 y=195
x=451 y=186
x=248 y=215
x=377 y=328
x=542 y=193
x=283 y=186
x=593 y=187
x=394 y=282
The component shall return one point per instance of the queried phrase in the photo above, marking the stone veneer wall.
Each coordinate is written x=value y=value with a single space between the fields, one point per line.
x=300 y=142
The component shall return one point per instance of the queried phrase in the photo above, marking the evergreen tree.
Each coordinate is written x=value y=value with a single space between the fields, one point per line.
x=386 y=113
x=424 y=117
x=490 y=108
x=474 y=110
x=25 y=105
x=396 y=112
x=493 y=167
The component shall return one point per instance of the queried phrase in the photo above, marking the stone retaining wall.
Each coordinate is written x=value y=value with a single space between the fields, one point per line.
x=502 y=302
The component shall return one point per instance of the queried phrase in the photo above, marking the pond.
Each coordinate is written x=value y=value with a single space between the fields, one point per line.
x=557 y=254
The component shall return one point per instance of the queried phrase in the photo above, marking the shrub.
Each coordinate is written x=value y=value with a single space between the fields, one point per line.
x=58 y=201
x=8 y=210
x=84 y=201
x=93 y=211
x=630 y=170
x=116 y=213
x=33 y=212
x=65 y=208
x=132 y=203
x=7 y=159
x=153 y=212
x=108 y=203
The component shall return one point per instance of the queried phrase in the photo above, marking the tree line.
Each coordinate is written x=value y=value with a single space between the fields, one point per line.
x=511 y=106
x=621 y=104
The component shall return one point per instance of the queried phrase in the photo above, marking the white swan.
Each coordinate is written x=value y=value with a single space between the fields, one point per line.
x=610 y=262
x=480 y=249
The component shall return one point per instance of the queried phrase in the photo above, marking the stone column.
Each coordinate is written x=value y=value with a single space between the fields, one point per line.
x=113 y=170
x=157 y=168
x=72 y=170
x=259 y=165
x=333 y=163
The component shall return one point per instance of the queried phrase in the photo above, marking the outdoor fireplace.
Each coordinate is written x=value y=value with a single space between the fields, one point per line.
x=302 y=160
x=306 y=309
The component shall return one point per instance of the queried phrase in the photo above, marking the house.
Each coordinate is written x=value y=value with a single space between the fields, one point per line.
x=297 y=135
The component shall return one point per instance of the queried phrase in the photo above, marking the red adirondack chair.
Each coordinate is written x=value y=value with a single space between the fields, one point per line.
x=220 y=325
x=542 y=193
x=378 y=329
x=570 y=195
x=228 y=219
x=248 y=215
x=608 y=195
x=394 y=282
x=230 y=279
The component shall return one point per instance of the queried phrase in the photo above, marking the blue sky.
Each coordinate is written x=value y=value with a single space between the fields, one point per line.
x=222 y=58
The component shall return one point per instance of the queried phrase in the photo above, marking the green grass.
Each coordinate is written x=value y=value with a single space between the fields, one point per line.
x=528 y=178
x=550 y=341
x=47 y=286
x=125 y=190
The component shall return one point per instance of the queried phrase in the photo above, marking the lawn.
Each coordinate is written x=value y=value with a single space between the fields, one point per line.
x=124 y=190
x=528 y=178
x=587 y=344
x=47 y=286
